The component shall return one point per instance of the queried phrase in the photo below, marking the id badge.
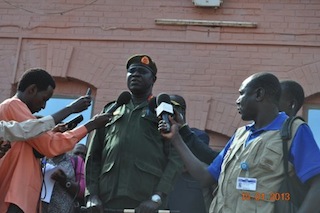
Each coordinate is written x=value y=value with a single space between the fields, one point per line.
x=248 y=184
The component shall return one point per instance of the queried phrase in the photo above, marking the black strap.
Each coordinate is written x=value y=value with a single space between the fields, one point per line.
x=286 y=135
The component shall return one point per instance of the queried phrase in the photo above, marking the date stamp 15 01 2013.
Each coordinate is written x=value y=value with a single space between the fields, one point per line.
x=273 y=196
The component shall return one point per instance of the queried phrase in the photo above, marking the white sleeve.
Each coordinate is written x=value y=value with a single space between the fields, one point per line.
x=17 y=131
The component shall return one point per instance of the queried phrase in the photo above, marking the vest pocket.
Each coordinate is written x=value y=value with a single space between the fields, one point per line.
x=271 y=158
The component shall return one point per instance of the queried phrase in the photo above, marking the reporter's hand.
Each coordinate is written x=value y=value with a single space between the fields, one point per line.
x=174 y=131
x=147 y=206
x=80 y=104
x=173 y=136
x=94 y=204
x=98 y=121
x=60 y=128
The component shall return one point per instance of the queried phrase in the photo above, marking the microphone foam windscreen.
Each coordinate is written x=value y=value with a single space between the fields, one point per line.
x=124 y=98
x=162 y=97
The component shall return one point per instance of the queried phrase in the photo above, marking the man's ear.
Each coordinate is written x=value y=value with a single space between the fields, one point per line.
x=32 y=89
x=154 y=79
x=260 y=93
x=293 y=104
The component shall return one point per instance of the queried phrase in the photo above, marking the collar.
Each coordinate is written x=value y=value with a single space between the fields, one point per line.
x=276 y=124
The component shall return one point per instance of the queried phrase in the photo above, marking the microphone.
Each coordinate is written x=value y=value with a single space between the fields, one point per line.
x=123 y=98
x=74 y=122
x=164 y=109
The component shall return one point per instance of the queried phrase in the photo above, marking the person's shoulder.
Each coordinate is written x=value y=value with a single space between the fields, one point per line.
x=12 y=104
x=12 y=100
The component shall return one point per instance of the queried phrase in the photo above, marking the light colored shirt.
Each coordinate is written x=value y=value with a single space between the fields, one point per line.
x=15 y=131
x=20 y=170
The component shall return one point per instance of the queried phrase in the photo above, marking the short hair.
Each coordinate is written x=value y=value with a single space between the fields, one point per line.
x=41 y=78
x=294 y=91
x=269 y=82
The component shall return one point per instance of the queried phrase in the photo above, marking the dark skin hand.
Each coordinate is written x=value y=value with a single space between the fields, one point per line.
x=96 y=121
x=76 y=106
x=95 y=205
x=60 y=177
x=147 y=206
x=4 y=147
x=194 y=166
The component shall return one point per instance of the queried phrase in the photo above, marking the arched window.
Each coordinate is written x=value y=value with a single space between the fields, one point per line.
x=54 y=104
x=311 y=113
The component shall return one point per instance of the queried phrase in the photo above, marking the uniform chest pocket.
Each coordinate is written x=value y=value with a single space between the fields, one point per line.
x=150 y=117
x=271 y=157
x=111 y=130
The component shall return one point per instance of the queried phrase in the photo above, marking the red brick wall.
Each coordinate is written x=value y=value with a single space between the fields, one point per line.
x=86 y=43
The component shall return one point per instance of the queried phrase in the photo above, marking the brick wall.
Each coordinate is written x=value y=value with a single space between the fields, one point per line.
x=86 y=43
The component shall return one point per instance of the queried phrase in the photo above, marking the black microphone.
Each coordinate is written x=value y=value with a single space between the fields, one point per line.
x=74 y=122
x=123 y=98
x=164 y=109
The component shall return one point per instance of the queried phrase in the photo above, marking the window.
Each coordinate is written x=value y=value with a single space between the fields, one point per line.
x=313 y=120
x=55 y=104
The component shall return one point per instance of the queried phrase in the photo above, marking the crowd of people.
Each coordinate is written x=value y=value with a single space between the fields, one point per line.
x=134 y=162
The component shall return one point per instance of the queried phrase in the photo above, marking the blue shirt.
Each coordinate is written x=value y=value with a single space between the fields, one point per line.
x=304 y=152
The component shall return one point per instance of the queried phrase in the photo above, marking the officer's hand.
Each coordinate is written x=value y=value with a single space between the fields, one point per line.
x=147 y=206
x=94 y=204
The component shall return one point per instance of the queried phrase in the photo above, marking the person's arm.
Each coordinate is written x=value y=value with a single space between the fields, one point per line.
x=201 y=150
x=76 y=106
x=15 y=131
x=51 y=144
x=194 y=166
